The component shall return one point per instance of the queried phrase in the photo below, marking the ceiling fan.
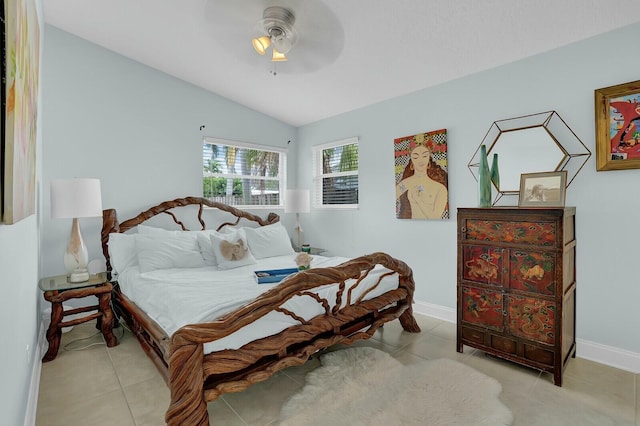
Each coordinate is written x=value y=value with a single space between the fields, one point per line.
x=300 y=36
x=276 y=29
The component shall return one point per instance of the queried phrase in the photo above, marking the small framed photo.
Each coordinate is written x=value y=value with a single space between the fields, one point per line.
x=547 y=189
x=618 y=127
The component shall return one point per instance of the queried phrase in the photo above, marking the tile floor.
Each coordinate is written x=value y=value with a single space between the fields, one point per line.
x=120 y=386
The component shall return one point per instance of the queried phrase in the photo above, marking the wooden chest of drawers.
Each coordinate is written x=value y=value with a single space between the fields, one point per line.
x=516 y=284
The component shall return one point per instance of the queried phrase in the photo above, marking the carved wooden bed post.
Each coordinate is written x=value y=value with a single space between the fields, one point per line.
x=109 y=225
x=186 y=381
x=407 y=320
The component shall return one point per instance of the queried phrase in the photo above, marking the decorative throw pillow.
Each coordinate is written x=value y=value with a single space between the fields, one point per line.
x=122 y=251
x=168 y=251
x=268 y=241
x=231 y=250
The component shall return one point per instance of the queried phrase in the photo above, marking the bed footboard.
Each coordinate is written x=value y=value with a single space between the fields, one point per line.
x=195 y=378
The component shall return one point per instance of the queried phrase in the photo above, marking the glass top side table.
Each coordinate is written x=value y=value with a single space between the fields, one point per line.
x=61 y=282
x=58 y=289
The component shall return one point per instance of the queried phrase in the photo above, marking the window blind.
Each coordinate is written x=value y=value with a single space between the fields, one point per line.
x=336 y=178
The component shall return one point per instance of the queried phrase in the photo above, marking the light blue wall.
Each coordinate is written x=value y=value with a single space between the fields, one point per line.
x=19 y=316
x=135 y=128
x=607 y=202
x=19 y=312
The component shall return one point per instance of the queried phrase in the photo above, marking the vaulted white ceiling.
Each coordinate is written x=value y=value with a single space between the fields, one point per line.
x=350 y=53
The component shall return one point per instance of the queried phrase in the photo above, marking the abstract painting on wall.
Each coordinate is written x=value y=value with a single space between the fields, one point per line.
x=618 y=127
x=421 y=176
x=20 y=109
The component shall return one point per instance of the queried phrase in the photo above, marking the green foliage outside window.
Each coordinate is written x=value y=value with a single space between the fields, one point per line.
x=217 y=187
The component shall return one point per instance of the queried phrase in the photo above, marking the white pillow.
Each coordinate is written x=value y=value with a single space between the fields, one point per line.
x=268 y=241
x=206 y=247
x=204 y=242
x=122 y=251
x=152 y=230
x=168 y=251
x=231 y=250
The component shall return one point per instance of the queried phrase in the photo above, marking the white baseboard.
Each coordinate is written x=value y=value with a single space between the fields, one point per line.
x=614 y=357
x=608 y=355
x=435 y=311
x=34 y=385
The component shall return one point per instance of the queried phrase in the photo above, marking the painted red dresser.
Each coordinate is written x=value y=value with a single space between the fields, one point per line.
x=516 y=284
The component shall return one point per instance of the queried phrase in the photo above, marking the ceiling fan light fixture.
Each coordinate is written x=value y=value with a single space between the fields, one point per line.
x=261 y=44
x=278 y=57
x=275 y=29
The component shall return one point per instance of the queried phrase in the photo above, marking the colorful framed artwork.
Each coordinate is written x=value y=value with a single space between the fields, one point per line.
x=20 y=109
x=547 y=189
x=421 y=176
x=618 y=127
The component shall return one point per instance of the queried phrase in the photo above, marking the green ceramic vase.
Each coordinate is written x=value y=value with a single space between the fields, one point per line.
x=495 y=173
x=484 y=180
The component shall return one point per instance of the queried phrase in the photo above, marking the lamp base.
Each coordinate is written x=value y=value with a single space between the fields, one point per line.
x=79 y=276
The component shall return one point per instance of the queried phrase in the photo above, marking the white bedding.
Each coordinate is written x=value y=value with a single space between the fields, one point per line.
x=177 y=297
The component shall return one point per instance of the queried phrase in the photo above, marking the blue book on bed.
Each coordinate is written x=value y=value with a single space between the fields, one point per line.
x=273 y=275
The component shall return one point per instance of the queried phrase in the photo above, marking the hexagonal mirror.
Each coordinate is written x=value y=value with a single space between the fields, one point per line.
x=530 y=144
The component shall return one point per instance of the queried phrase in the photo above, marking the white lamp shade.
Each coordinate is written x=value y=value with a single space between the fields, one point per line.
x=72 y=198
x=297 y=201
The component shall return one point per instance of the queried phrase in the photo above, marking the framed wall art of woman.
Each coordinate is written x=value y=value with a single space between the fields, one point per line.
x=421 y=176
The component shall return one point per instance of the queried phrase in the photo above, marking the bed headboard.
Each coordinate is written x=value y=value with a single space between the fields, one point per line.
x=110 y=222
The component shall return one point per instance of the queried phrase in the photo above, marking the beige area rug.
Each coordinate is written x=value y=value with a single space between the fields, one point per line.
x=365 y=386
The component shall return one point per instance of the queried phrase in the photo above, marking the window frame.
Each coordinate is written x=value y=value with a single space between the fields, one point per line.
x=282 y=170
x=318 y=174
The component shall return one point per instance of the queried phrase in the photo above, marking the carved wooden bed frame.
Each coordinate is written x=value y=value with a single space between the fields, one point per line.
x=195 y=378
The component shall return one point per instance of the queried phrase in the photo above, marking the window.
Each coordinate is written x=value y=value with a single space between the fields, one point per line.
x=242 y=174
x=336 y=174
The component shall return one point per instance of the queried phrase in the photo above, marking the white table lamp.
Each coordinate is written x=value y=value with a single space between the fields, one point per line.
x=72 y=199
x=297 y=201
